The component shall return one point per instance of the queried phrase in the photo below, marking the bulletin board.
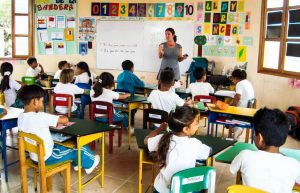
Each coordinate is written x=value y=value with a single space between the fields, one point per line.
x=224 y=24
x=56 y=26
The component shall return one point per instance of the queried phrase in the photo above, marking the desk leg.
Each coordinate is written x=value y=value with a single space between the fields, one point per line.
x=102 y=165
x=4 y=152
x=140 y=171
x=247 y=135
x=79 y=165
x=129 y=125
x=238 y=177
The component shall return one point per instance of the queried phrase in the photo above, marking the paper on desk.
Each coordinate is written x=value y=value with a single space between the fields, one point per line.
x=225 y=93
x=62 y=126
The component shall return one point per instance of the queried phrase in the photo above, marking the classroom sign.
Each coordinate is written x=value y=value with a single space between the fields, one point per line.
x=224 y=23
x=55 y=26
x=144 y=10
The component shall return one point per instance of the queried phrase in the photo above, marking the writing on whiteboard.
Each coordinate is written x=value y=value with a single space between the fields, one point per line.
x=109 y=47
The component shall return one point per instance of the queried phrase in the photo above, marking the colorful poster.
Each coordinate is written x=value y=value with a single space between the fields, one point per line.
x=57 y=35
x=170 y=10
x=248 y=41
x=60 y=21
x=87 y=28
x=228 y=41
x=41 y=22
x=220 y=40
x=123 y=9
x=198 y=29
x=199 y=17
x=51 y=22
x=189 y=10
x=240 y=6
x=150 y=10
x=69 y=34
x=179 y=9
x=71 y=21
x=48 y=48
x=160 y=10
x=211 y=40
x=248 y=19
x=42 y=35
x=241 y=53
x=61 y=48
x=215 y=5
x=224 y=6
x=95 y=9
x=207 y=28
x=83 y=48
x=142 y=10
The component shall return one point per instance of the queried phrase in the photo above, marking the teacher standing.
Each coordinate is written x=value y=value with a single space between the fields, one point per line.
x=171 y=53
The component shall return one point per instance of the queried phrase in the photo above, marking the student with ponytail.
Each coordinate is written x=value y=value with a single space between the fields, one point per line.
x=102 y=92
x=176 y=150
x=9 y=86
x=84 y=74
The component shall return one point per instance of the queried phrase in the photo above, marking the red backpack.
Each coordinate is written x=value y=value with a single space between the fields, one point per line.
x=293 y=114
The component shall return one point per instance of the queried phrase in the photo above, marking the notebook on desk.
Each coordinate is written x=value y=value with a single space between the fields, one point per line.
x=59 y=137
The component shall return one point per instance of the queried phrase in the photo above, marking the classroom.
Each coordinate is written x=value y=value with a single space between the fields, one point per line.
x=107 y=69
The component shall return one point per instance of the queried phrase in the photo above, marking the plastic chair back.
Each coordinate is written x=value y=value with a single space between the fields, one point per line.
x=54 y=82
x=154 y=116
x=243 y=189
x=64 y=100
x=252 y=103
x=28 y=80
x=194 y=179
x=105 y=109
x=205 y=99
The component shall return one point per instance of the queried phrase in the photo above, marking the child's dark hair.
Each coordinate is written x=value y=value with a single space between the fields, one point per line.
x=199 y=73
x=106 y=79
x=30 y=60
x=182 y=117
x=167 y=76
x=61 y=64
x=127 y=65
x=173 y=33
x=6 y=71
x=240 y=74
x=85 y=67
x=273 y=125
x=29 y=92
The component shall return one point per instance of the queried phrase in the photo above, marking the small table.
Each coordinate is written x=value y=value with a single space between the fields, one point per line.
x=9 y=121
x=85 y=132
x=232 y=112
x=216 y=143
x=131 y=103
x=147 y=88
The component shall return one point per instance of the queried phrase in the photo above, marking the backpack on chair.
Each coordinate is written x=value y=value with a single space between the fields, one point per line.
x=293 y=115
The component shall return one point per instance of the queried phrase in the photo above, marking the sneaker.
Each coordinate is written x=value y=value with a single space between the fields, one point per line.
x=96 y=162
x=237 y=132
x=75 y=168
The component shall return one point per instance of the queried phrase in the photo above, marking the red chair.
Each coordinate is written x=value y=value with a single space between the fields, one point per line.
x=205 y=99
x=106 y=110
x=64 y=100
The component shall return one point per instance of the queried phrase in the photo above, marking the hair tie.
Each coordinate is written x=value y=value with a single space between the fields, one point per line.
x=100 y=81
x=7 y=73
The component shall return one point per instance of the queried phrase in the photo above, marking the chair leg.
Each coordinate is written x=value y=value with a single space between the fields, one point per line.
x=43 y=183
x=35 y=179
x=111 y=141
x=49 y=183
x=248 y=130
x=93 y=145
x=23 y=176
x=120 y=136
x=67 y=176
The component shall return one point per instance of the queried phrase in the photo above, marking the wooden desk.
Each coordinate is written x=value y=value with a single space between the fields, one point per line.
x=147 y=88
x=216 y=143
x=9 y=121
x=228 y=156
x=131 y=103
x=85 y=132
x=232 y=112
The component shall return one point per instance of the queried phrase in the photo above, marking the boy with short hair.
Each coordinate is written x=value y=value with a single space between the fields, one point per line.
x=267 y=169
x=35 y=122
x=61 y=65
x=35 y=69
x=127 y=80
x=200 y=87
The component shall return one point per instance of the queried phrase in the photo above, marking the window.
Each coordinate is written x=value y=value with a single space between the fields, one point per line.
x=16 y=29
x=280 y=38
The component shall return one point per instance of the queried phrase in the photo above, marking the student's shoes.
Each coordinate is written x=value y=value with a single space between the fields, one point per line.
x=238 y=131
x=96 y=162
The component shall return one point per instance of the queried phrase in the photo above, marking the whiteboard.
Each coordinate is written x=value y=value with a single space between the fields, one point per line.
x=139 y=41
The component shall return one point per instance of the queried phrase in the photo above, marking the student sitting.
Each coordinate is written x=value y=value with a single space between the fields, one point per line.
x=164 y=98
x=102 y=92
x=127 y=80
x=66 y=87
x=244 y=92
x=35 y=69
x=83 y=74
x=176 y=150
x=200 y=87
x=38 y=123
x=61 y=65
x=9 y=86
x=267 y=169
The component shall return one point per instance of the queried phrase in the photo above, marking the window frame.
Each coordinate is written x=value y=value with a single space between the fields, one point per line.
x=30 y=34
x=283 y=40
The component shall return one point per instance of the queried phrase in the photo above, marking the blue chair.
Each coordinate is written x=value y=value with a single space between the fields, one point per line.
x=198 y=62
x=84 y=99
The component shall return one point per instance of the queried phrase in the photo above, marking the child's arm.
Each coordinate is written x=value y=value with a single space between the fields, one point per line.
x=236 y=99
x=62 y=120
x=162 y=127
x=124 y=96
x=181 y=57
x=42 y=69
x=137 y=82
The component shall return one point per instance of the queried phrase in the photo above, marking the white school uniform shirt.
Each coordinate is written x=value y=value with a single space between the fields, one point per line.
x=106 y=96
x=272 y=172
x=165 y=100
x=245 y=89
x=200 y=88
x=84 y=78
x=11 y=94
x=33 y=72
x=70 y=89
x=38 y=124
x=57 y=74
x=183 y=153
x=176 y=85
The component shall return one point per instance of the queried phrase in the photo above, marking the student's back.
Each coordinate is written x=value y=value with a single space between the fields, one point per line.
x=245 y=89
x=165 y=100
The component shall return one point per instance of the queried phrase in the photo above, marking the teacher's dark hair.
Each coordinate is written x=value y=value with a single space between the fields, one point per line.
x=173 y=33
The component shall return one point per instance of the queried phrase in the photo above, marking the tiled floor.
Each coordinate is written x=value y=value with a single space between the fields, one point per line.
x=121 y=170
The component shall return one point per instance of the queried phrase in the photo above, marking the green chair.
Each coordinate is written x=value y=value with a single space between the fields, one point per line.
x=28 y=80
x=194 y=180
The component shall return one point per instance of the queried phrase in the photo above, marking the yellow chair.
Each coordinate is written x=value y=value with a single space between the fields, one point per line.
x=33 y=144
x=243 y=189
